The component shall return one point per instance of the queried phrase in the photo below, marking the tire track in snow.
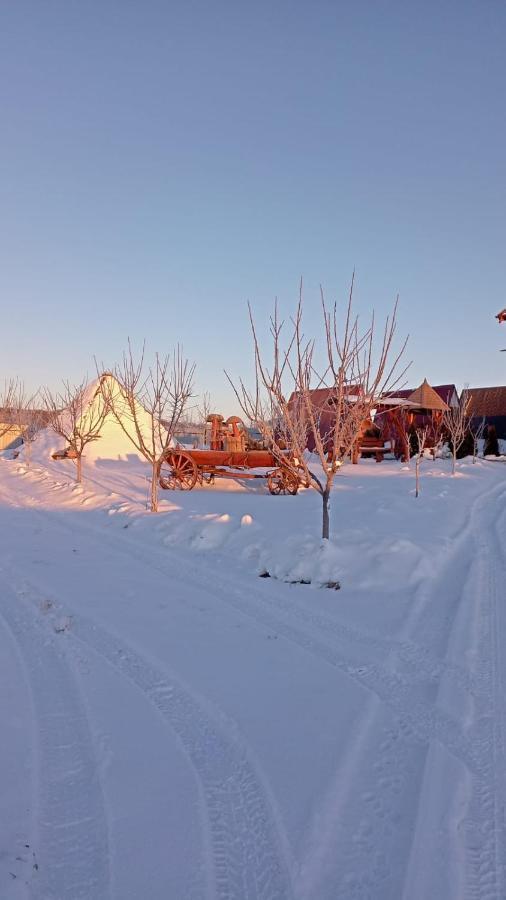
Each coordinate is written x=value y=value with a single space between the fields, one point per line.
x=356 y=823
x=468 y=866
x=248 y=853
x=368 y=814
x=485 y=824
x=246 y=849
x=72 y=852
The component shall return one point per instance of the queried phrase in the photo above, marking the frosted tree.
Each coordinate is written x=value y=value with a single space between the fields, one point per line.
x=476 y=428
x=149 y=403
x=19 y=414
x=455 y=423
x=76 y=419
x=10 y=397
x=356 y=369
x=29 y=418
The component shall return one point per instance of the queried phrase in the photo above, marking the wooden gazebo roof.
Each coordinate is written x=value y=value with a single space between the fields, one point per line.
x=425 y=397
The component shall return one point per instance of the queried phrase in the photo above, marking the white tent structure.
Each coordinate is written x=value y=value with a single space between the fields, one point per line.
x=114 y=441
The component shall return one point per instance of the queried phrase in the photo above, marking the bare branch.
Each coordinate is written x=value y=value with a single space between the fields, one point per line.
x=74 y=416
x=455 y=423
x=148 y=404
x=293 y=404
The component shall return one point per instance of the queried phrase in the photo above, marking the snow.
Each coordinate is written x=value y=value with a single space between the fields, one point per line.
x=175 y=726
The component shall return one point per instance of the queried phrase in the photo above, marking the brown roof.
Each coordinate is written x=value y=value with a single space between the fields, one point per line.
x=488 y=401
x=426 y=398
x=445 y=391
x=323 y=397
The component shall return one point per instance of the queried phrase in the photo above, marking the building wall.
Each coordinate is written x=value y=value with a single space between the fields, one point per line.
x=499 y=423
x=11 y=438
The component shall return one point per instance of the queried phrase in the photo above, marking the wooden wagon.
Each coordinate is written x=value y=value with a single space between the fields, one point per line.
x=183 y=469
x=231 y=454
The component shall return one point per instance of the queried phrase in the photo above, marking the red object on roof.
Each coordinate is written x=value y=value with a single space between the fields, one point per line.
x=501 y=317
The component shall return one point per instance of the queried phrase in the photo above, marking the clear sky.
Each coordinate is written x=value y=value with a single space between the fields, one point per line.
x=162 y=163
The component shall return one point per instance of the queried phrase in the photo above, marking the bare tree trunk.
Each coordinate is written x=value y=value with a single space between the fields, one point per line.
x=154 y=487
x=417 y=469
x=326 y=517
x=79 y=467
x=454 y=455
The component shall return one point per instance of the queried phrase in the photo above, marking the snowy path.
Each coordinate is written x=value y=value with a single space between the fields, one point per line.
x=71 y=819
x=409 y=798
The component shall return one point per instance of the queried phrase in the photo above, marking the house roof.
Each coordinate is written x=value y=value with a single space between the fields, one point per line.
x=427 y=398
x=488 y=401
x=322 y=397
x=445 y=391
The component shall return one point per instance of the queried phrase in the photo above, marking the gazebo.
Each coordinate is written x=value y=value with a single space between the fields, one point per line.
x=423 y=408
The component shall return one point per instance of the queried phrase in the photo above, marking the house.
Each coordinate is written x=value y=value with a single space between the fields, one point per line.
x=323 y=402
x=489 y=403
x=422 y=408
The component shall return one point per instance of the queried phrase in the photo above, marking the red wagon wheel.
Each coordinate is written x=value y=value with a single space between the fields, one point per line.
x=282 y=481
x=178 y=471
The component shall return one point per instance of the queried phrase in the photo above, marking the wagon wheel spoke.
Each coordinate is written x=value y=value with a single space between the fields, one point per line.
x=274 y=482
x=292 y=483
x=178 y=471
x=282 y=481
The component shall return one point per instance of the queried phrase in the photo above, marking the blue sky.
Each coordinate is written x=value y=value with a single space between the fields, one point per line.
x=163 y=163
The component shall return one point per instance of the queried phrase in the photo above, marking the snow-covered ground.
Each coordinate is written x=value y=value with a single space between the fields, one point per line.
x=174 y=726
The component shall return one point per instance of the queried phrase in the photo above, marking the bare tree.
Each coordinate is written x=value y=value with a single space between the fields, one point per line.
x=204 y=407
x=29 y=419
x=398 y=421
x=455 y=423
x=422 y=434
x=476 y=428
x=18 y=413
x=196 y=419
x=148 y=404
x=77 y=417
x=283 y=405
x=10 y=397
